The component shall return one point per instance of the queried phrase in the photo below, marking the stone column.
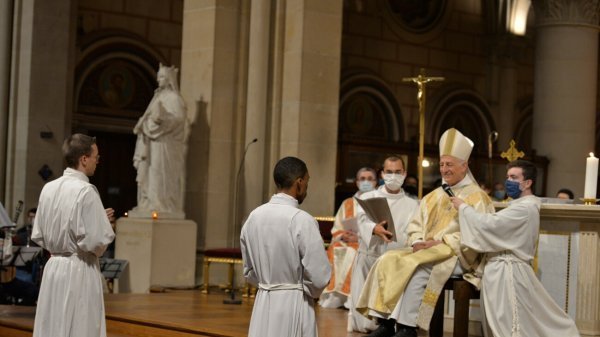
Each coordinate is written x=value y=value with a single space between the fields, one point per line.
x=41 y=90
x=566 y=69
x=266 y=70
x=6 y=22
x=256 y=179
x=213 y=80
x=310 y=95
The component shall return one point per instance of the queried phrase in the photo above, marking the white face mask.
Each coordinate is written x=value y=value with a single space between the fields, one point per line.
x=393 y=181
x=365 y=186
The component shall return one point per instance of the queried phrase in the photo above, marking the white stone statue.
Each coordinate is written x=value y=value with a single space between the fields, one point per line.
x=160 y=151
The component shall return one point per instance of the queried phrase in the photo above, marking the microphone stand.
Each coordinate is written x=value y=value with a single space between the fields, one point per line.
x=232 y=299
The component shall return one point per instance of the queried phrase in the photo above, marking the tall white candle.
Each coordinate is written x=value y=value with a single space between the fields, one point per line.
x=591 y=177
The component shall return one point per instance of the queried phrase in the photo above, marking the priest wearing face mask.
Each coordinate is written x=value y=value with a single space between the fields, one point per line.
x=402 y=289
x=515 y=302
x=374 y=237
x=344 y=244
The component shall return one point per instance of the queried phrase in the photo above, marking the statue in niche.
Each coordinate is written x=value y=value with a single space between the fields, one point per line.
x=160 y=150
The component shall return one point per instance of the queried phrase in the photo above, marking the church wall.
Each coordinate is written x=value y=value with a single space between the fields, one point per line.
x=458 y=48
x=41 y=69
x=157 y=22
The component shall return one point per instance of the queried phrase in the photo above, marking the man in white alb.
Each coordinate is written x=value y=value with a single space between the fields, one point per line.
x=515 y=302
x=73 y=226
x=374 y=238
x=284 y=254
x=344 y=244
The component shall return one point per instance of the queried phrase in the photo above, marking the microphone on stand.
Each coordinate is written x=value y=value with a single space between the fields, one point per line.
x=237 y=187
x=232 y=299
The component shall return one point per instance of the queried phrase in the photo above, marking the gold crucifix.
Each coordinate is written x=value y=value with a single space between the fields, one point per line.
x=512 y=153
x=421 y=80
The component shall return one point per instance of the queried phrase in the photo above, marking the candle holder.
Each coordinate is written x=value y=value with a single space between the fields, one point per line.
x=154 y=215
x=589 y=201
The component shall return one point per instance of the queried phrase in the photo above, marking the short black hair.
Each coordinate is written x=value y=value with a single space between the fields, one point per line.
x=76 y=146
x=394 y=158
x=567 y=192
x=287 y=170
x=529 y=170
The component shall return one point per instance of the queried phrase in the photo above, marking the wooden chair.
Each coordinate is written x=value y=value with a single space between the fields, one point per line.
x=463 y=293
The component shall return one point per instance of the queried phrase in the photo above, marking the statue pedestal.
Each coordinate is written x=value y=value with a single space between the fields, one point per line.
x=160 y=252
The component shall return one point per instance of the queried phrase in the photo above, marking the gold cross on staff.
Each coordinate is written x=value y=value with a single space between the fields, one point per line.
x=421 y=80
x=512 y=153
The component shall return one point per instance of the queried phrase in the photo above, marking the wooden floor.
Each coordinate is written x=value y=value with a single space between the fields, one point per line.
x=177 y=314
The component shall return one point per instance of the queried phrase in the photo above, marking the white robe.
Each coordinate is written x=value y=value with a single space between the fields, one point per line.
x=72 y=225
x=372 y=246
x=284 y=254
x=515 y=302
x=341 y=256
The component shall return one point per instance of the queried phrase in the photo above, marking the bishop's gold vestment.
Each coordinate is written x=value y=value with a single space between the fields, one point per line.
x=436 y=219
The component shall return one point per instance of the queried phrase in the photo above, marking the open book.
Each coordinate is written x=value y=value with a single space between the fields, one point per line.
x=378 y=210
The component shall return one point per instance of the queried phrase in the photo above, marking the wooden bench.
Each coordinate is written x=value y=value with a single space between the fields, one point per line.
x=231 y=256
x=325 y=226
x=463 y=293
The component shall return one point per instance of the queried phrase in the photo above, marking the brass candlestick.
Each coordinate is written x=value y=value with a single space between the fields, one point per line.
x=589 y=201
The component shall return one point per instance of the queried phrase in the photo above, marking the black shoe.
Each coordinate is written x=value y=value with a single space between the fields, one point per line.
x=385 y=329
x=406 y=331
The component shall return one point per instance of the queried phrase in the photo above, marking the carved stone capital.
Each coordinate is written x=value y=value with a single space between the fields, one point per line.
x=567 y=12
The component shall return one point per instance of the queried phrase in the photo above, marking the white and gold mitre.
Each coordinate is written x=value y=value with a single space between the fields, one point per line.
x=455 y=144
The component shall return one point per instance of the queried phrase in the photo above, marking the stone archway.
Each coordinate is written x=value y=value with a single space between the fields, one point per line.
x=114 y=81
x=460 y=107
x=371 y=127
x=369 y=109
x=456 y=106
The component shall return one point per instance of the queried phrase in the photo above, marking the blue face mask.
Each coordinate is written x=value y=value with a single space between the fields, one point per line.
x=499 y=194
x=513 y=188
x=365 y=186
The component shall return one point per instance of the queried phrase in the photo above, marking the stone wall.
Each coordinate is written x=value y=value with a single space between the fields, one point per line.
x=157 y=22
x=457 y=48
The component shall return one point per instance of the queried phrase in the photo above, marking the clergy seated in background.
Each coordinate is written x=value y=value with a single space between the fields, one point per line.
x=374 y=238
x=344 y=243
x=403 y=287
x=283 y=254
x=514 y=302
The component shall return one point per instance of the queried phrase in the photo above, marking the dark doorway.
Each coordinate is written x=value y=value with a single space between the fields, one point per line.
x=115 y=175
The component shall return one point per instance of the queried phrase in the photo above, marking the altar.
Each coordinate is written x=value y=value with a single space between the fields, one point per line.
x=569 y=261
